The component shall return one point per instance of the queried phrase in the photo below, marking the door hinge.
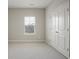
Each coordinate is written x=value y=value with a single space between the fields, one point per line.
x=67 y=49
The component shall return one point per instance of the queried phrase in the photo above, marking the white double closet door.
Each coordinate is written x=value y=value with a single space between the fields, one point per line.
x=61 y=29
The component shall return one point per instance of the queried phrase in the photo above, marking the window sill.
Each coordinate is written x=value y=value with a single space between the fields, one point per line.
x=29 y=33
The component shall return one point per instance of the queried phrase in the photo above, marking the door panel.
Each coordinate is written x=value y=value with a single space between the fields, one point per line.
x=56 y=28
x=62 y=29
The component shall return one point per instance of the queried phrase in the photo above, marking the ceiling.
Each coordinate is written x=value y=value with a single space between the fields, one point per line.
x=28 y=3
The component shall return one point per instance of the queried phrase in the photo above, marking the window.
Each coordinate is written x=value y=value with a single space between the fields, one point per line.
x=29 y=25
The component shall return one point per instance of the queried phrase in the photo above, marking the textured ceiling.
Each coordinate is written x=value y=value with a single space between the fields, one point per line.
x=29 y=3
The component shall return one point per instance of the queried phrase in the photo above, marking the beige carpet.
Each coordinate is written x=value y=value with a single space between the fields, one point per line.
x=33 y=51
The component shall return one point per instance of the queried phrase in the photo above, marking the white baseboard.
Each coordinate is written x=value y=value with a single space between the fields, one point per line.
x=25 y=41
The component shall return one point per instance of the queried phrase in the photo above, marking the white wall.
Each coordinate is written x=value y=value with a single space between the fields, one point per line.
x=51 y=37
x=16 y=24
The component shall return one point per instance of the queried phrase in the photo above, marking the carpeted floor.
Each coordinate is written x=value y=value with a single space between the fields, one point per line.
x=33 y=51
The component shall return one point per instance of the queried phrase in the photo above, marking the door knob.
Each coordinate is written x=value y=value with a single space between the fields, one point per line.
x=57 y=32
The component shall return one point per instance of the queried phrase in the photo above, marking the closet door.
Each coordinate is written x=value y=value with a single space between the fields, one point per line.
x=61 y=29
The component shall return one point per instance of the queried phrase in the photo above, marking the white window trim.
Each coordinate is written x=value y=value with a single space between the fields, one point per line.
x=34 y=27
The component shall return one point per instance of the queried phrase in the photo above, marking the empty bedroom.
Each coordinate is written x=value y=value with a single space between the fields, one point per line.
x=38 y=29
